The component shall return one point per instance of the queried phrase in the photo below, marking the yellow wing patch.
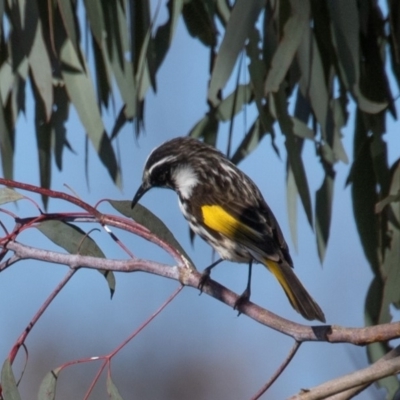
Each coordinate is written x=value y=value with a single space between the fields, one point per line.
x=216 y=218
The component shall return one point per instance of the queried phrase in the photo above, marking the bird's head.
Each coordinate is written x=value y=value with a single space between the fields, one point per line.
x=170 y=166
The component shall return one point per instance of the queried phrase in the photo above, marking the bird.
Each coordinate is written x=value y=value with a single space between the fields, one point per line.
x=226 y=209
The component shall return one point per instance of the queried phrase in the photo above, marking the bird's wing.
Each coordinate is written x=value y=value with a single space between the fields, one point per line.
x=246 y=225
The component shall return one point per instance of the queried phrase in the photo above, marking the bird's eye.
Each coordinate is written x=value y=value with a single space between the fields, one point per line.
x=162 y=177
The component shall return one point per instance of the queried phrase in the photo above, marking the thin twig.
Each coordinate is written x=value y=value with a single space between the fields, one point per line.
x=279 y=371
x=129 y=338
x=21 y=340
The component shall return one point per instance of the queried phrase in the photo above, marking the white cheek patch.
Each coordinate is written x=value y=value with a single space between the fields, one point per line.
x=185 y=179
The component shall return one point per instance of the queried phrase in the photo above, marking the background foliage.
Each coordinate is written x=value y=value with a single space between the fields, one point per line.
x=308 y=68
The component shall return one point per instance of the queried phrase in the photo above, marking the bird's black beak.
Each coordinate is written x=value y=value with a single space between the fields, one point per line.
x=140 y=192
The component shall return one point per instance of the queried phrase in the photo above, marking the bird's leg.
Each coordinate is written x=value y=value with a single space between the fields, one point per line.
x=245 y=296
x=205 y=276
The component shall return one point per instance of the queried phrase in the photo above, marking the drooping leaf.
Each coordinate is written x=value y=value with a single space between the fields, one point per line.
x=206 y=128
x=68 y=17
x=80 y=90
x=39 y=62
x=291 y=203
x=363 y=190
x=391 y=258
x=94 y=13
x=293 y=31
x=346 y=29
x=47 y=389
x=198 y=17
x=233 y=103
x=323 y=212
x=116 y=25
x=8 y=195
x=250 y=142
x=279 y=111
x=6 y=145
x=240 y=24
x=75 y=241
x=112 y=390
x=8 y=383
x=165 y=33
x=59 y=119
x=146 y=218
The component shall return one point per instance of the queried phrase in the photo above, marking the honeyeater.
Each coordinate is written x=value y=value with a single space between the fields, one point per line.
x=224 y=207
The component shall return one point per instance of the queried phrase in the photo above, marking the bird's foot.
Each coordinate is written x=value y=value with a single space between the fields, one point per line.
x=205 y=277
x=243 y=299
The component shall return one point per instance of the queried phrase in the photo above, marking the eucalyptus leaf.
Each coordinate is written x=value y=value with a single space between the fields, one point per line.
x=8 y=382
x=8 y=195
x=47 y=389
x=75 y=241
x=145 y=217
x=238 y=29
x=112 y=390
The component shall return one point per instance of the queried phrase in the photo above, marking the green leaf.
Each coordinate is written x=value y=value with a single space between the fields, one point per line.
x=292 y=144
x=293 y=31
x=241 y=22
x=43 y=139
x=165 y=33
x=145 y=217
x=391 y=260
x=233 y=104
x=80 y=90
x=39 y=62
x=363 y=191
x=94 y=13
x=6 y=79
x=206 y=128
x=392 y=198
x=8 y=383
x=103 y=74
x=69 y=20
x=112 y=389
x=301 y=130
x=291 y=202
x=312 y=82
x=250 y=142
x=143 y=77
x=346 y=39
x=75 y=241
x=6 y=145
x=340 y=120
x=323 y=213
x=58 y=120
x=117 y=35
x=47 y=389
x=198 y=17
x=8 y=195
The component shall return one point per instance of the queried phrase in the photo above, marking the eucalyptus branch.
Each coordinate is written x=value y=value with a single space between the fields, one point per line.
x=188 y=277
x=358 y=380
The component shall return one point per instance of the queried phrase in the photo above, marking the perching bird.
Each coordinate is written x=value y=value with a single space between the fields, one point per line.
x=224 y=207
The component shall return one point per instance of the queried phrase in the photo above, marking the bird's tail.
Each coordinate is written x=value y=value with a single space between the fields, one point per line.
x=298 y=296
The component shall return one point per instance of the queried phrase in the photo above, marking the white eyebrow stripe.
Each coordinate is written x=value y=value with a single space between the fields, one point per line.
x=162 y=161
